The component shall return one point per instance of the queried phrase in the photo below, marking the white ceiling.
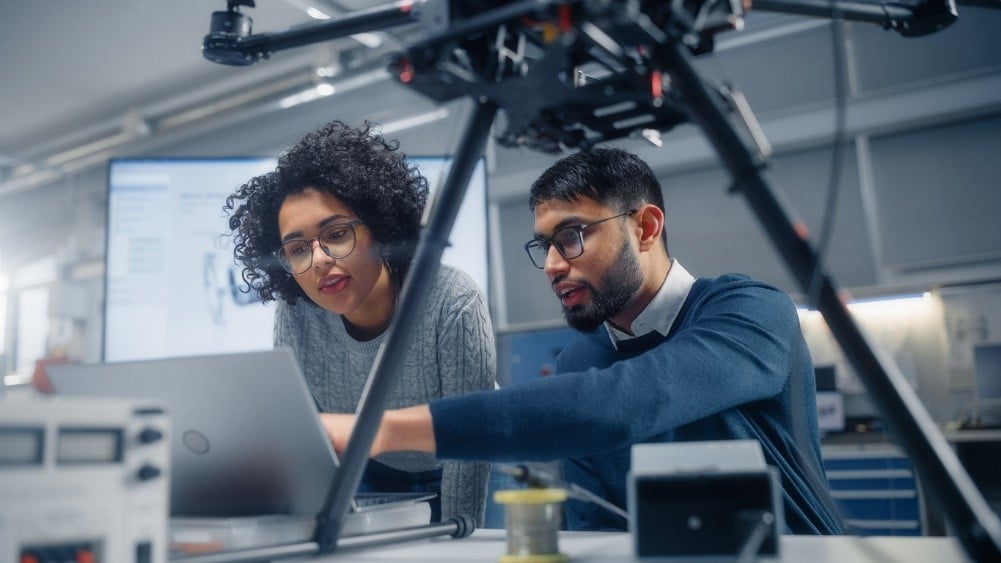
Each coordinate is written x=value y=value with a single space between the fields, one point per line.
x=79 y=74
x=69 y=65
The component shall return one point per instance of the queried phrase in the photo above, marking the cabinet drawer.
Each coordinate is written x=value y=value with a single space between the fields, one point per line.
x=899 y=505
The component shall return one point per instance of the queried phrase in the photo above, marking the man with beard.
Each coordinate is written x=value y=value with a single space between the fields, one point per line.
x=663 y=357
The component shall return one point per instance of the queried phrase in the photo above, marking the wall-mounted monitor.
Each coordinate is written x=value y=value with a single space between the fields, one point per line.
x=171 y=285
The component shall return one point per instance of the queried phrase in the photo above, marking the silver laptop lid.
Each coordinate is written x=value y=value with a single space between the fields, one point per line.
x=246 y=436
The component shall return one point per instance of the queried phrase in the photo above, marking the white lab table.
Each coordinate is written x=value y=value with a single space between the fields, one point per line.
x=489 y=545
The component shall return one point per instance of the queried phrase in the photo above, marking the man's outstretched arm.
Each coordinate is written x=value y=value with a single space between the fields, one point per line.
x=408 y=428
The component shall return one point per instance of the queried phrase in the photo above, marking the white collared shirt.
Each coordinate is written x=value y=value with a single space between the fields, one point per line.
x=661 y=313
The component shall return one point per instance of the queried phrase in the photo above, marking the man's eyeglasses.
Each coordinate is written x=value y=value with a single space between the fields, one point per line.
x=336 y=241
x=569 y=241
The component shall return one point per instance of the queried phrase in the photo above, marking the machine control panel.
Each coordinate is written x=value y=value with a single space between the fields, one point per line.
x=83 y=480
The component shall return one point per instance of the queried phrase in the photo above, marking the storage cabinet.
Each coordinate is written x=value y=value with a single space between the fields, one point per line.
x=875 y=489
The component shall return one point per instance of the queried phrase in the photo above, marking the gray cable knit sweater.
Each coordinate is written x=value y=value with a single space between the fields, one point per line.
x=453 y=354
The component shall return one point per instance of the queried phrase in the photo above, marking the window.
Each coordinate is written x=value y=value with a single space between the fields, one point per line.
x=30 y=289
x=32 y=328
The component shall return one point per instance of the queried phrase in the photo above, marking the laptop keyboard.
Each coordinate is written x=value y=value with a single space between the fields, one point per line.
x=364 y=500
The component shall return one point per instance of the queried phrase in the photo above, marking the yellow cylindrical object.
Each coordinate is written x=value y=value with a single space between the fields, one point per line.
x=533 y=518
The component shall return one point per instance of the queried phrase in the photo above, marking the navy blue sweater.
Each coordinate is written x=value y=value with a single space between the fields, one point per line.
x=734 y=366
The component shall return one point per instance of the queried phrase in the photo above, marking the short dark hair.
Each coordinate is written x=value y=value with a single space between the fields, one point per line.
x=609 y=176
x=360 y=168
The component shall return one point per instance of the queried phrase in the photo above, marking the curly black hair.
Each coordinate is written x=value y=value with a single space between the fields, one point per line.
x=359 y=167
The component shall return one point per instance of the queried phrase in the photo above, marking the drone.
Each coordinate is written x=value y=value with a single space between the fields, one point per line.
x=596 y=60
x=610 y=69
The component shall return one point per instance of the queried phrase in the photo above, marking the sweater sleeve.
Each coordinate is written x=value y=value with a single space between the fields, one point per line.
x=732 y=348
x=467 y=363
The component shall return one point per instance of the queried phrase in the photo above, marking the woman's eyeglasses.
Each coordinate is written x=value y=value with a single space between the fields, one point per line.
x=336 y=241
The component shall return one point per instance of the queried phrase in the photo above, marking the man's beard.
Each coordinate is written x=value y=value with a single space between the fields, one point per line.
x=619 y=285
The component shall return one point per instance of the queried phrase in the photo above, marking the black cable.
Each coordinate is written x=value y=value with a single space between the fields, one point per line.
x=756 y=536
x=837 y=155
x=537 y=478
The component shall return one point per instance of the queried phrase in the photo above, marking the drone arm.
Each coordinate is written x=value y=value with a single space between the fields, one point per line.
x=855 y=11
x=911 y=21
x=230 y=47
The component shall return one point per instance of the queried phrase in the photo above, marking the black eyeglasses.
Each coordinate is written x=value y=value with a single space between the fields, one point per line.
x=569 y=241
x=337 y=241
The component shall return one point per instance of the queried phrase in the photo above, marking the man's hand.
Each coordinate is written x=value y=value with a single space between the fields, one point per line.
x=402 y=429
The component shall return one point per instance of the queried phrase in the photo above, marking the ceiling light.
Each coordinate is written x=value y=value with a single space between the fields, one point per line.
x=316 y=14
x=326 y=71
x=414 y=121
x=370 y=40
x=895 y=304
x=308 y=95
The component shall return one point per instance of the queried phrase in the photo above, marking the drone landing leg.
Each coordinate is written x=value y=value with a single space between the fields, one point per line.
x=401 y=332
x=976 y=526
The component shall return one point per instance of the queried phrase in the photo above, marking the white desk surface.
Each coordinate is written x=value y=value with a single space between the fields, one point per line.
x=489 y=545
x=973 y=435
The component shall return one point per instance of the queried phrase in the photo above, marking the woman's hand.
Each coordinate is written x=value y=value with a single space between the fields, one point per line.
x=339 y=428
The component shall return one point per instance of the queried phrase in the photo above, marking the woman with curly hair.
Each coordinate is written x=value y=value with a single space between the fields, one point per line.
x=329 y=235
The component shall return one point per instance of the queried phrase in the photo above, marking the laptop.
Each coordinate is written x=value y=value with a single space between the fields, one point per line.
x=250 y=461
